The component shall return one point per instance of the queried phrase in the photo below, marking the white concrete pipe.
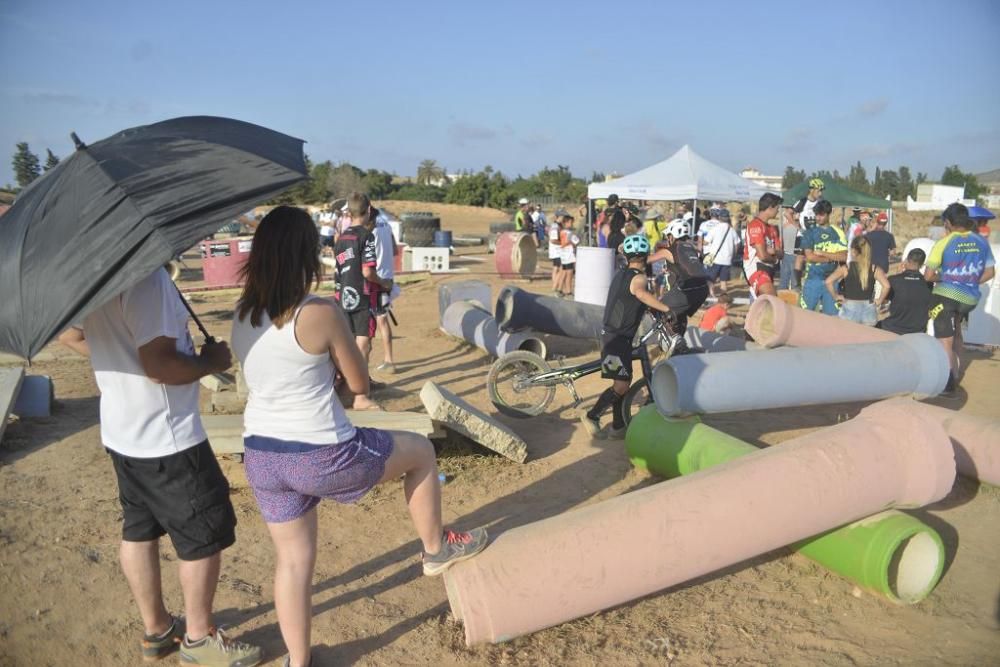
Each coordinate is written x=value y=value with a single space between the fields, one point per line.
x=914 y=364
x=478 y=292
x=465 y=320
x=611 y=552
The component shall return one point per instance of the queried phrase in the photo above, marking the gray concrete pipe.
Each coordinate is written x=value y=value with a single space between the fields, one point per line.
x=466 y=320
x=517 y=309
x=476 y=291
x=713 y=342
x=914 y=364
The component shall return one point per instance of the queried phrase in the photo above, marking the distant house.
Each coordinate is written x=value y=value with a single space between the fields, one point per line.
x=937 y=197
x=769 y=182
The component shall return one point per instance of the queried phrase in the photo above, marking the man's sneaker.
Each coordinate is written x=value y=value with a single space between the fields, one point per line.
x=617 y=433
x=218 y=650
x=951 y=388
x=593 y=427
x=387 y=367
x=157 y=647
x=455 y=546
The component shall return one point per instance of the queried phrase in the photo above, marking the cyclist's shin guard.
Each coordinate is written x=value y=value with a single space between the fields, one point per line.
x=618 y=416
x=604 y=401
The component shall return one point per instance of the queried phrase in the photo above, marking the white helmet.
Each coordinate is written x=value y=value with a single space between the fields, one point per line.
x=678 y=228
x=522 y=200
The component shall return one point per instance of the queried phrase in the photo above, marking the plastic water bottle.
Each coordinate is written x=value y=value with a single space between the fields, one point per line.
x=442 y=478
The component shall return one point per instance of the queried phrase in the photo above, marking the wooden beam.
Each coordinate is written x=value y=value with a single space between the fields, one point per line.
x=10 y=385
x=225 y=432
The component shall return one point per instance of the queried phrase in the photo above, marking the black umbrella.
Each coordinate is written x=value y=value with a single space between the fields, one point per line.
x=113 y=212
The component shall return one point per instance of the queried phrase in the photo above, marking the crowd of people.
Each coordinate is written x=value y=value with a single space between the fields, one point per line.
x=296 y=349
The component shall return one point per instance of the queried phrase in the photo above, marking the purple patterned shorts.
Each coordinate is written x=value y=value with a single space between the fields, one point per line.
x=289 y=478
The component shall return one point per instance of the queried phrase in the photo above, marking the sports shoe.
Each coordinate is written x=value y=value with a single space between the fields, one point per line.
x=593 y=427
x=617 y=433
x=455 y=546
x=218 y=650
x=387 y=368
x=157 y=647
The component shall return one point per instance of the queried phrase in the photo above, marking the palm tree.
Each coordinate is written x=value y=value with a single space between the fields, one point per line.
x=429 y=173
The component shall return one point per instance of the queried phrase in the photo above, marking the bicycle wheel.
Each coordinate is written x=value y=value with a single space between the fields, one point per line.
x=505 y=384
x=637 y=397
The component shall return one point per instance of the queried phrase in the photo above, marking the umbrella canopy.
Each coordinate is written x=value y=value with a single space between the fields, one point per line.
x=838 y=195
x=113 y=212
x=980 y=213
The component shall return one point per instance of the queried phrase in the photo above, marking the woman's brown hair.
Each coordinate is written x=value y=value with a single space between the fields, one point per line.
x=282 y=267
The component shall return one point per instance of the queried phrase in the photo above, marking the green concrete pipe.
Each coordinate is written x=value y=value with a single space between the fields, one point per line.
x=890 y=553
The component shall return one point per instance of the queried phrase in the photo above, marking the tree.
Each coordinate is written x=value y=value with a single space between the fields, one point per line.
x=429 y=173
x=906 y=186
x=344 y=179
x=25 y=164
x=431 y=193
x=954 y=176
x=857 y=179
x=792 y=177
x=378 y=184
x=51 y=160
x=888 y=184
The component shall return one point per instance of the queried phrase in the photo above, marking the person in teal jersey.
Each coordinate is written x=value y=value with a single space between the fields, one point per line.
x=825 y=246
x=958 y=264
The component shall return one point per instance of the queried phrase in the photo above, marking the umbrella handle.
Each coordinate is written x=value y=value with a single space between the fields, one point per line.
x=201 y=327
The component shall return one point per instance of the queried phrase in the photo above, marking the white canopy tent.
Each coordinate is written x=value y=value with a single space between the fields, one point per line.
x=684 y=175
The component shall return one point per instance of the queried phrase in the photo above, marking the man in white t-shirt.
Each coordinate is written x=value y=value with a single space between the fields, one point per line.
x=555 y=249
x=169 y=482
x=720 y=243
x=385 y=256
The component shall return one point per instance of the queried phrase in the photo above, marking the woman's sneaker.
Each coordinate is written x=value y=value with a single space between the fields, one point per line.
x=218 y=650
x=455 y=547
x=157 y=647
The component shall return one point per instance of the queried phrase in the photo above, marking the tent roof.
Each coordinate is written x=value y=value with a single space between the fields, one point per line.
x=684 y=175
x=838 y=195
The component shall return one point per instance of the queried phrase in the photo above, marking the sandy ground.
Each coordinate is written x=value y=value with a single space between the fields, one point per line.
x=63 y=600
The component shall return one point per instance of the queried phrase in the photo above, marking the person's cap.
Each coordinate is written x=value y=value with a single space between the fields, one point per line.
x=652 y=214
x=522 y=200
x=560 y=212
x=722 y=214
x=882 y=217
x=612 y=199
x=856 y=209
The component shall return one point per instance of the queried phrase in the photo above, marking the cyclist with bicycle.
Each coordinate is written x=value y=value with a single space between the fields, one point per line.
x=628 y=300
x=686 y=284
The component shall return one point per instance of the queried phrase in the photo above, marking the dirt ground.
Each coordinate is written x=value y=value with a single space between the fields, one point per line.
x=63 y=600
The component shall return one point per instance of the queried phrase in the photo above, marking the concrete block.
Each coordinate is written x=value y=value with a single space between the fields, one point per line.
x=218 y=382
x=228 y=402
x=10 y=384
x=459 y=416
x=35 y=397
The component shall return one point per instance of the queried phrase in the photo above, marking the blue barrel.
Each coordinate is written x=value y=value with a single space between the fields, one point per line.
x=442 y=239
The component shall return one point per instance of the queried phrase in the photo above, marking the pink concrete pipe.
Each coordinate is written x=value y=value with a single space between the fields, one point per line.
x=772 y=322
x=976 y=439
x=609 y=553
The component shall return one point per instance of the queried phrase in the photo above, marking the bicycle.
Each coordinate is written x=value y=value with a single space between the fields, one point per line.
x=514 y=378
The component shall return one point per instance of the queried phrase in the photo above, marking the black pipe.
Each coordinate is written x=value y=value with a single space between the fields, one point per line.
x=517 y=309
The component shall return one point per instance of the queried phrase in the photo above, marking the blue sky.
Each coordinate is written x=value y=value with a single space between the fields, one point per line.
x=518 y=85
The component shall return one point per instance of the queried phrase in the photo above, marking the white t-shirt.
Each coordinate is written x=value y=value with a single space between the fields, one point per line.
x=721 y=240
x=807 y=218
x=291 y=391
x=384 y=245
x=326 y=230
x=139 y=417
x=555 y=250
x=569 y=249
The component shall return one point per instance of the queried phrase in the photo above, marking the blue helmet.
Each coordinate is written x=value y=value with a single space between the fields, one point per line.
x=636 y=245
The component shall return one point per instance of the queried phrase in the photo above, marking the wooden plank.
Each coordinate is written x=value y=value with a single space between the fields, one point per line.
x=10 y=385
x=225 y=432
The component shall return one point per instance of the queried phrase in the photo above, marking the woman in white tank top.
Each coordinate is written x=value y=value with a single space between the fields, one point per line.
x=299 y=444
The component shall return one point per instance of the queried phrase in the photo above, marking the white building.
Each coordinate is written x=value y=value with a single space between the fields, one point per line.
x=769 y=182
x=936 y=197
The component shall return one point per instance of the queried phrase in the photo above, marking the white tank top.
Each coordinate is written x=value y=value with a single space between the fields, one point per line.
x=291 y=391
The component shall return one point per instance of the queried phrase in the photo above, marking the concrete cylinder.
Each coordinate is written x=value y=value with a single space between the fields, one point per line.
x=923 y=243
x=517 y=309
x=476 y=291
x=465 y=320
x=914 y=364
x=516 y=255
x=609 y=553
x=976 y=439
x=984 y=321
x=713 y=342
x=595 y=267
x=772 y=323
x=890 y=553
